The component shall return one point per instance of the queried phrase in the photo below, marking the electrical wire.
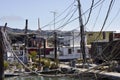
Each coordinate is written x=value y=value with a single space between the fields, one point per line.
x=67 y=20
x=97 y=16
x=108 y=12
x=89 y=13
x=94 y=6
x=114 y=18
x=59 y=15
x=109 y=9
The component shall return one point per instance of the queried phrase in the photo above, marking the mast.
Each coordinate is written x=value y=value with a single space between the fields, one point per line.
x=82 y=34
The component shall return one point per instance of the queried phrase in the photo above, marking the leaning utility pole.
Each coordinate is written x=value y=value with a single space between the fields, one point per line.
x=82 y=34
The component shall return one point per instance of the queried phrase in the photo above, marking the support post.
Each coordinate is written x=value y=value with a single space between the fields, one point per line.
x=44 y=41
x=26 y=38
x=55 y=47
x=1 y=57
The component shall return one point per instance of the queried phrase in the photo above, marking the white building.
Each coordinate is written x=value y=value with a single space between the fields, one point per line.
x=68 y=53
x=69 y=47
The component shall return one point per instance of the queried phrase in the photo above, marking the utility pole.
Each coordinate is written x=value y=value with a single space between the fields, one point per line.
x=26 y=36
x=82 y=34
x=44 y=41
x=54 y=14
x=73 y=41
x=39 y=53
x=55 y=40
x=1 y=55
x=55 y=45
x=39 y=45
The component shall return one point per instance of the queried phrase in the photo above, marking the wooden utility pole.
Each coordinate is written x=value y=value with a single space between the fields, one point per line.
x=55 y=40
x=82 y=34
x=1 y=57
x=44 y=41
x=55 y=45
x=39 y=53
x=73 y=40
x=26 y=37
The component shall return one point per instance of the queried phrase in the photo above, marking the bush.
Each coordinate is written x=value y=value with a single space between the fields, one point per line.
x=6 y=65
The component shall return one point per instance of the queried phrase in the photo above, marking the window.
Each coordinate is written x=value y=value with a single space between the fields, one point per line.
x=99 y=49
x=78 y=51
x=69 y=51
x=90 y=34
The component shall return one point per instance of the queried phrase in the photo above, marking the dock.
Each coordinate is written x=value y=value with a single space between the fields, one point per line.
x=112 y=75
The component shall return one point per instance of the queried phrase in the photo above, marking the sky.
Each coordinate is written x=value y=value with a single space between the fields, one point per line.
x=15 y=12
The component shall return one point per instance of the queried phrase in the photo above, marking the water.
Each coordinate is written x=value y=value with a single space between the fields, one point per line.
x=53 y=78
x=40 y=78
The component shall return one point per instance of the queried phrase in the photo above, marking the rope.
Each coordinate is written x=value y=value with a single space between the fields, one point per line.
x=9 y=48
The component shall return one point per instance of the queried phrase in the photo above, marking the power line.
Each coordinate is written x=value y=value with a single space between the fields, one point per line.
x=89 y=12
x=60 y=14
x=108 y=12
x=114 y=18
x=67 y=20
x=67 y=15
x=94 y=6
x=97 y=16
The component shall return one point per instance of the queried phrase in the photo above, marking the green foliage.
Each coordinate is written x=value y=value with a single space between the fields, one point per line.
x=53 y=65
x=33 y=54
x=6 y=65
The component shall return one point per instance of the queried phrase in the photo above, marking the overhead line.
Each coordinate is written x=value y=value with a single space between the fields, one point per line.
x=59 y=15
x=97 y=16
x=95 y=5
x=67 y=20
x=108 y=12
x=89 y=13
